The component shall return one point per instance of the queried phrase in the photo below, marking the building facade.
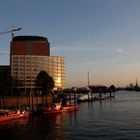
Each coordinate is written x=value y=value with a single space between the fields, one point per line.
x=28 y=56
x=5 y=85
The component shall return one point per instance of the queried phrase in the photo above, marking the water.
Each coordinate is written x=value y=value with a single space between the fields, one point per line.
x=111 y=119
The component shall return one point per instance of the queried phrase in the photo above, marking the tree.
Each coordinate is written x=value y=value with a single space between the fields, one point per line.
x=44 y=82
x=112 y=88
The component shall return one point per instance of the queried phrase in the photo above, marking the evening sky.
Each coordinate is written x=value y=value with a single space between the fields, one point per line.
x=101 y=37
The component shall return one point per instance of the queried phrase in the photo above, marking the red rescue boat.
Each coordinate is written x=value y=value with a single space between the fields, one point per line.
x=58 y=108
x=64 y=109
x=7 y=115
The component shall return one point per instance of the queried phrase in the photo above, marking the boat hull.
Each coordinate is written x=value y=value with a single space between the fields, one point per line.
x=13 y=116
x=64 y=109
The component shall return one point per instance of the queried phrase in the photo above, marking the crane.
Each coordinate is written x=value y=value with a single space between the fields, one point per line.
x=12 y=31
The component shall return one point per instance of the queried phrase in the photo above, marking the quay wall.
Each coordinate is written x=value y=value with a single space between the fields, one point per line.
x=23 y=101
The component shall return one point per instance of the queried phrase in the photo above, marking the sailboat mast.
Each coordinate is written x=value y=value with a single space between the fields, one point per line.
x=88 y=78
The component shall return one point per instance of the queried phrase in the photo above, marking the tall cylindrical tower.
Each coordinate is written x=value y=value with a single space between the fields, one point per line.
x=30 y=45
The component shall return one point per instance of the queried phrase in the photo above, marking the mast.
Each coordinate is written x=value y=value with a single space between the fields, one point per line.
x=88 y=78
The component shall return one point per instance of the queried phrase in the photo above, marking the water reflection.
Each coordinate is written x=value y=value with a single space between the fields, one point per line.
x=52 y=126
x=72 y=117
x=9 y=129
x=11 y=124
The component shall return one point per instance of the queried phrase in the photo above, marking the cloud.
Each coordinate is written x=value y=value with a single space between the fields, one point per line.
x=77 y=48
x=122 y=51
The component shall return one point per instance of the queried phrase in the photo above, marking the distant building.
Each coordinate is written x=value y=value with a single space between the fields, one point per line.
x=28 y=56
x=4 y=68
x=5 y=88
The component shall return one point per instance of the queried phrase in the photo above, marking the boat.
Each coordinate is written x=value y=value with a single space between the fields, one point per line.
x=84 y=94
x=59 y=108
x=84 y=97
x=63 y=109
x=7 y=115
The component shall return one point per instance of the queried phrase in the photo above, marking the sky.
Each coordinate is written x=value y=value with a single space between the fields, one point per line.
x=99 y=37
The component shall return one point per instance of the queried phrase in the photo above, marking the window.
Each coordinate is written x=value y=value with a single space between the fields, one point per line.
x=29 y=48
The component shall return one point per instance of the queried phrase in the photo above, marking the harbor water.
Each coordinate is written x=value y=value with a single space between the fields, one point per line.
x=111 y=119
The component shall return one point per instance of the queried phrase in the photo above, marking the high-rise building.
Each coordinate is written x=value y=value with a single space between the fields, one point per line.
x=28 y=56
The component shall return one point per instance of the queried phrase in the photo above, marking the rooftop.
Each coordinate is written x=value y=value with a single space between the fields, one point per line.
x=31 y=38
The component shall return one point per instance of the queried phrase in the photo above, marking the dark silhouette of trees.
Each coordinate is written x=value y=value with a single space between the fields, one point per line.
x=103 y=90
x=112 y=89
x=44 y=83
x=99 y=89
